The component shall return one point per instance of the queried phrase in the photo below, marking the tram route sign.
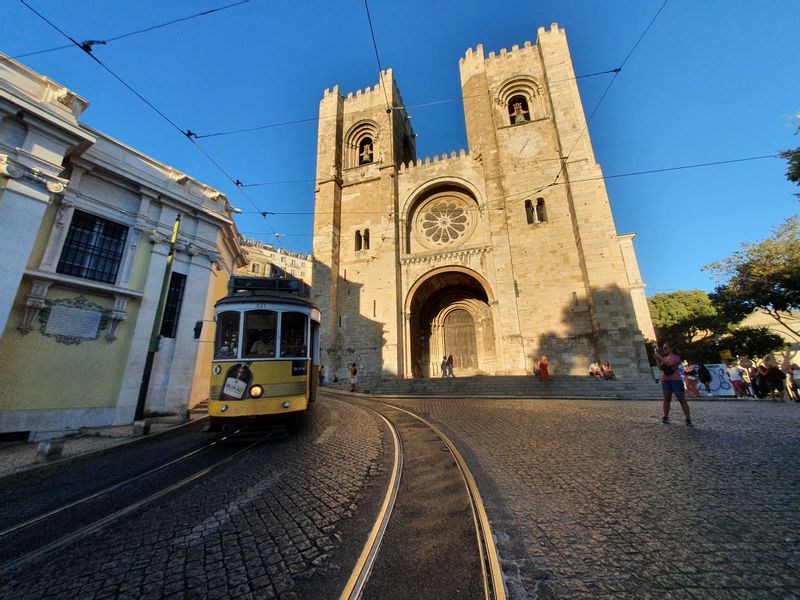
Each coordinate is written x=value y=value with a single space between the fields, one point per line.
x=72 y=322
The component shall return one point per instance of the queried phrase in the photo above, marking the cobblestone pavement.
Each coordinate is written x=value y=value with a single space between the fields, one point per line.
x=272 y=524
x=599 y=499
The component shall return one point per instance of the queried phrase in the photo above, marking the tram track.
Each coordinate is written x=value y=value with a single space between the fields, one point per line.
x=32 y=538
x=420 y=573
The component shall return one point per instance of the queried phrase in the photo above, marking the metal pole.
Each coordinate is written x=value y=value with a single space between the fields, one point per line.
x=155 y=334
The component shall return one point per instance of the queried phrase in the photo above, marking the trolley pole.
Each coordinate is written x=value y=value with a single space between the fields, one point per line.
x=155 y=334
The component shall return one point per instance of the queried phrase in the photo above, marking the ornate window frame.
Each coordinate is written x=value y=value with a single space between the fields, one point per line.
x=354 y=139
x=528 y=88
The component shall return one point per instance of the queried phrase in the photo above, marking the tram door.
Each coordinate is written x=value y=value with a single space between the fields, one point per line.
x=459 y=340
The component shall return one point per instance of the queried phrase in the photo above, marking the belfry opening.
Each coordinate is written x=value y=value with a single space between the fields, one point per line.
x=449 y=314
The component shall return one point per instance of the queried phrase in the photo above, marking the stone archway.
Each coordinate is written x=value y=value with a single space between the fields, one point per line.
x=449 y=313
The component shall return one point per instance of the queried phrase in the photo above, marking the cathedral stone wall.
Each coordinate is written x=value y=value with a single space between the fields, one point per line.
x=496 y=255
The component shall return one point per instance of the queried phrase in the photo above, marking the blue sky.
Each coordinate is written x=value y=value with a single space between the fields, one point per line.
x=711 y=81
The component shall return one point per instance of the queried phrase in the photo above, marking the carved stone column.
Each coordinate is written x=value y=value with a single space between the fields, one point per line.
x=34 y=305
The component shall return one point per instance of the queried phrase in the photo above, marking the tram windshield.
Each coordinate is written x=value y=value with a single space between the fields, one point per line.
x=294 y=335
x=260 y=333
x=227 y=338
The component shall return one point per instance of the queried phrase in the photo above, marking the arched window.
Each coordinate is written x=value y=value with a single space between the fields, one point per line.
x=530 y=214
x=359 y=241
x=518 y=110
x=541 y=215
x=365 y=151
x=366 y=239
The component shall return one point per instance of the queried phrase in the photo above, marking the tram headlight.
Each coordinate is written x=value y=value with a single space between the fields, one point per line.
x=256 y=391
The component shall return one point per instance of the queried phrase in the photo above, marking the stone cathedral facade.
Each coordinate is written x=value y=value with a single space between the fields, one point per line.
x=497 y=255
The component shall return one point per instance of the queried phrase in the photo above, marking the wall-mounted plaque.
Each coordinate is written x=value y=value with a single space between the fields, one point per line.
x=73 y=321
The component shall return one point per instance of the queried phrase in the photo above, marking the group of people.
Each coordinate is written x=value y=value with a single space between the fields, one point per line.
x=602 y=372
x=766 y=380
x=447 y=367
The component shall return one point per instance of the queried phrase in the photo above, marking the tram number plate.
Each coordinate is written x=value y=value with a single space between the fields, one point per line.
x=299 y=367
x=234 y=388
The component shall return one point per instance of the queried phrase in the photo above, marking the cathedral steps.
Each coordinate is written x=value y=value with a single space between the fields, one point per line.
x=519 y=387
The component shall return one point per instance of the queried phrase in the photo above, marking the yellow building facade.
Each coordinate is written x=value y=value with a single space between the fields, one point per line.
x=85 y=234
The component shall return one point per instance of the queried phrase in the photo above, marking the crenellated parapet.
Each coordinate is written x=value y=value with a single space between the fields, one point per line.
x=459 y=159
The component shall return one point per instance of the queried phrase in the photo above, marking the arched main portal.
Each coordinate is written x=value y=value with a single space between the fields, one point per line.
x=449 y=314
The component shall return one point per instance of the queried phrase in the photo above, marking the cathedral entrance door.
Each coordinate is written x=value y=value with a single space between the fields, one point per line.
x=459 y=340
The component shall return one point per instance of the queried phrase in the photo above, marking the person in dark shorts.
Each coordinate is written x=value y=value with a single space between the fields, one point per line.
x=704 y=375
x=671 y=382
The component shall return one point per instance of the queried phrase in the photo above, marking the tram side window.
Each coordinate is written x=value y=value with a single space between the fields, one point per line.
x=227 y=338
x=294 y=334
x=260 y=331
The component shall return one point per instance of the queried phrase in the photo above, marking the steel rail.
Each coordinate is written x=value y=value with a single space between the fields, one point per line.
x=358 y=578
x=99 y=524
x=111 y=488
x=494 y=586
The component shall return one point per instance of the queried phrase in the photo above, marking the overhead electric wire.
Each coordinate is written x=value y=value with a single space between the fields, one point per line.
x=187 y=134
x=377 y=57
x=616 y=72
x=198 y=136
x=87 y=44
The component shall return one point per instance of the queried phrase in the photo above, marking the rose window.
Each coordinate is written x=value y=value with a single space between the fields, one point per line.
x=444 y=222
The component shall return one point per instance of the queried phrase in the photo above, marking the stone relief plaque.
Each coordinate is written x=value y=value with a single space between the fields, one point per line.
x=74 y=320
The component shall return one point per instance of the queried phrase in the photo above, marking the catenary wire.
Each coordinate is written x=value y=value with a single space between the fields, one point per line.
x=87 y=44
x=187 y=134
x=608 y=88
x=404 y=107
x=377 y=56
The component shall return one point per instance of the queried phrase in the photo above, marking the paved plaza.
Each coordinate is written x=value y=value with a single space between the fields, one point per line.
x=598 y=498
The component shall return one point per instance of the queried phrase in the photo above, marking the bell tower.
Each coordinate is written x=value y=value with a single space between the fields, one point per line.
x=362 y=141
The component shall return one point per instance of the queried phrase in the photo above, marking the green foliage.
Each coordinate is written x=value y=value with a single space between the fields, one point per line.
x=690 y=321
x=762 y=275
x=680 y=316
x=792 y=157
x=753 y=342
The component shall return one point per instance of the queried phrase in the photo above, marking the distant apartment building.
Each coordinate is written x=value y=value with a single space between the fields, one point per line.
x=85 y=228
x=265 y=260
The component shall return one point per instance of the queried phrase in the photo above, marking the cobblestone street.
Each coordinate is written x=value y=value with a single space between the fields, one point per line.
x=598 y=498
x=269 y=525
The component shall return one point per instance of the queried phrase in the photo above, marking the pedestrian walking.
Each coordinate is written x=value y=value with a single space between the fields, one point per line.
x=671 y=382
x=775 y=380
x=794 y=377
x=704 y=376
x=544 y=369
x=353 y=376
x=735 y=377
x=690 y=380
x=444 y=367
x=321 y=375
x=450 y=366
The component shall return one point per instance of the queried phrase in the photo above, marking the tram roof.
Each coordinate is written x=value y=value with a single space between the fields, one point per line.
x=251 y=290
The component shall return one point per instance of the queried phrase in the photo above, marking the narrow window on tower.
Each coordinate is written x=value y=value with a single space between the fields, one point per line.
x=359 y=241
x=366 y=239
x=365 y=151
x=172 y=308
x=518 y=110
x=530 y=215
x=541 y=215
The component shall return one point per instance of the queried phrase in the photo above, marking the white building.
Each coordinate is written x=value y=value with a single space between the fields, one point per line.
x=84 y=233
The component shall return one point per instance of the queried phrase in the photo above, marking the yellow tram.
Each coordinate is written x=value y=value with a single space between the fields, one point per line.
x=266 y=351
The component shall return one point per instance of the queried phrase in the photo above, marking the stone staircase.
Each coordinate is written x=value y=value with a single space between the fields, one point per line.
x=517 y=387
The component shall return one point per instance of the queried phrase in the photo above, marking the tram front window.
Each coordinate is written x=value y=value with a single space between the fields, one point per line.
x=260 y=331
x=294 y=327
x=227 y=338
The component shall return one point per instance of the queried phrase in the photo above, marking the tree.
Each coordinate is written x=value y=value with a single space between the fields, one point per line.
x=680 y=316
x=762 y=275
x=793 y=168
